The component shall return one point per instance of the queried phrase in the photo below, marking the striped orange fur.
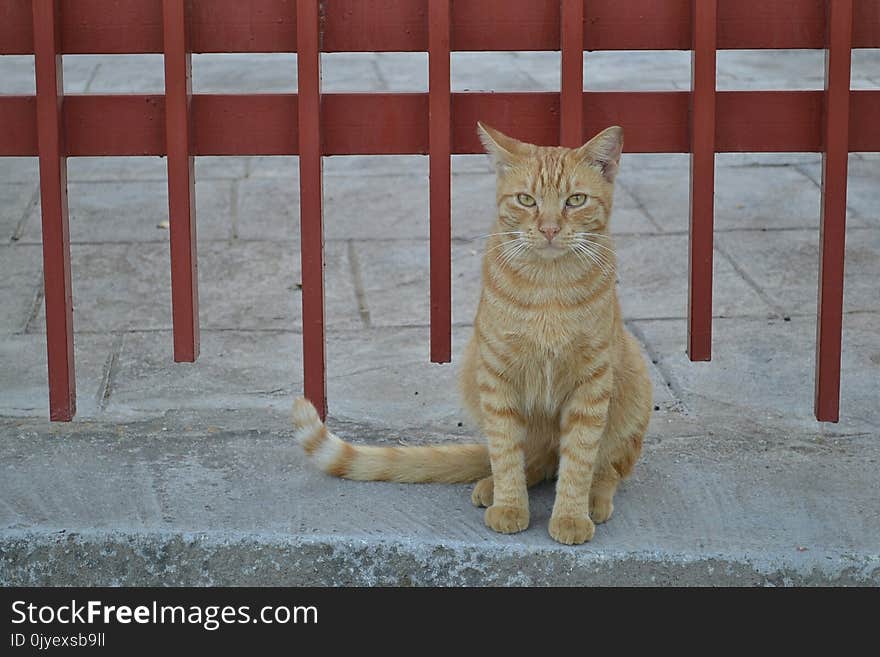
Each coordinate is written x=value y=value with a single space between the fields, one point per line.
x=556 y=383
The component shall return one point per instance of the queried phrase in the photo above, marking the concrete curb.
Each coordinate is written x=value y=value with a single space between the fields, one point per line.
x=224 y=558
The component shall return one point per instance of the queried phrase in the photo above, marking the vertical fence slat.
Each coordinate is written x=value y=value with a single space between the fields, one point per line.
x=832 y=235
x=181 y=191
x=440 y=148
x=308 y=38
x=571 y=98
x=53 y=197
x=702 y=179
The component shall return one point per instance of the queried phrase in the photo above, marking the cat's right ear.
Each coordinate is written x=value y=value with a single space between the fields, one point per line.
x=501 y=149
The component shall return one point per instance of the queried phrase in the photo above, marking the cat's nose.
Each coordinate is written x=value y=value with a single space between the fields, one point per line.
x=550 y=231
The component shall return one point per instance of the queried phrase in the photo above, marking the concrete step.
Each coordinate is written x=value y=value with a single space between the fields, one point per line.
x=229 y=499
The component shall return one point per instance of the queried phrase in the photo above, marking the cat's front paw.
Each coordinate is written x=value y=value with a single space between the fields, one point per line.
x=571 y=530
x=483 y=494
x=507 y=519
x=601 y=509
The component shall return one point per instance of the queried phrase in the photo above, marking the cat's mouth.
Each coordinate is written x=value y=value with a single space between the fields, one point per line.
x=550 y=250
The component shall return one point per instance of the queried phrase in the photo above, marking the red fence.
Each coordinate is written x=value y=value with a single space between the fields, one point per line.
x=54 y=126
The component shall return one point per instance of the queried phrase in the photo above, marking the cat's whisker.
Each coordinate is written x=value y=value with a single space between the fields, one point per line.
x=512 y=252
x=509 y=232
x=508 y=255
x=503 y=244
x=607 y=255
x=598 y=259
x=596 y=244
x=588 y=234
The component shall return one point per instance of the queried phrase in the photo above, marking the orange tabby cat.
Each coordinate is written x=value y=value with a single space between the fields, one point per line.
x=551 y=375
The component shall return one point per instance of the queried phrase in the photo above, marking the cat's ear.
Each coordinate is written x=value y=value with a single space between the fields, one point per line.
x=503 y=150
x=603 y=151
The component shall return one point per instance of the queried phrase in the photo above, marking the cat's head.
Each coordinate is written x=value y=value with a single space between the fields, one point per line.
x=550 y=198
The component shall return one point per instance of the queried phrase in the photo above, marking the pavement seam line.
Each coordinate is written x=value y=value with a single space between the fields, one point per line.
x=36 y=305
x=359 y=292
x=670 y=381
x=764 y=296
x=851 y=213
x=25 y=215
x=109 y=373
x=233 y=209
x=642 y=207
x=92 y=77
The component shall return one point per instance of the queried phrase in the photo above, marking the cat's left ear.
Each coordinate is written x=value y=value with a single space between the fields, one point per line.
x=603 y=151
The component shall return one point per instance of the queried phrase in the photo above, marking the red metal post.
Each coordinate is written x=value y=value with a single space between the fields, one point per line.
x=53 y=196
x=181 y=191
x=571 y=99
x=832 y=235
x=440 y=147
x=308 y=35
x=702 y=192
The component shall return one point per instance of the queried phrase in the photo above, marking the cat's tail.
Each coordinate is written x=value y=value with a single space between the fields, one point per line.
x=435 y=463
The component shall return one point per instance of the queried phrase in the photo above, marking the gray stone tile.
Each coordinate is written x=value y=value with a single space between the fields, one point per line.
x=540 y=71
x=785 y=264
x=396 y=280
x=24 y=388
x=653 y=280
x=627 y=215
x=256 y=285
x=866 y=66
x=113 y=169
x=403 y=71
x=414 y=391
x=268 y=209
x=502 y=71
x=364 y=207
x=231 y=73
x=17 y=74
x=135 y=211
x=745 y=196
x=471 y=163
x=473 y=205
x=762 y=372
x=118 y=287
x=235 y=370
x=247 y=285
x=661 y=192
x=19 y=170
x=350 y=72
x=764 y=197
x=636 y=70
x=80 y=71
x=15 y=204
x=864 y=83
x=143 y=74
x=863 y=189
x=20 y=276
x=781 y=69
x=376 y=165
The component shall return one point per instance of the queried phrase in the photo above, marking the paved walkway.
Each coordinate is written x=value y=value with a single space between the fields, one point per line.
x=738 y=482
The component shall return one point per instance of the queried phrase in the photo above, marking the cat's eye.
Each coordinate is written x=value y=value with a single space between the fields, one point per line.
x=576 y=200
x=526 y=200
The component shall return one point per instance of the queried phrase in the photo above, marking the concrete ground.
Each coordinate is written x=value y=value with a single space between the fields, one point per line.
x=187 y=474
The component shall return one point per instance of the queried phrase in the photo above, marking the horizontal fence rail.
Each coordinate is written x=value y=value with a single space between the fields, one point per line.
x=439 y=123
x=266 y=26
